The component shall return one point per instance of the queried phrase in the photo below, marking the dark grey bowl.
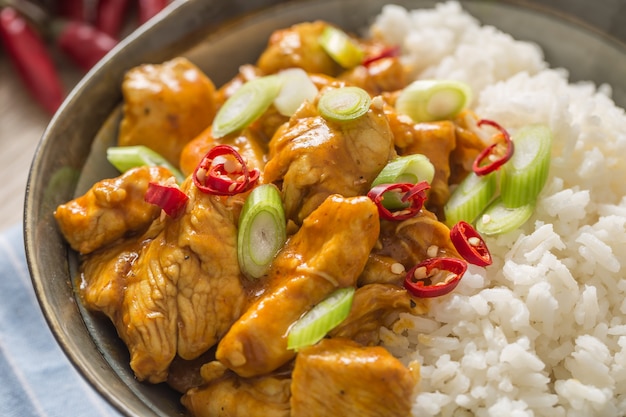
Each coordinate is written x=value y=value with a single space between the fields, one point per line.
x=580 y=35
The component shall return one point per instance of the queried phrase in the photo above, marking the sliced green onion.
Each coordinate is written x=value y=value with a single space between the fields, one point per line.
x=321 y=319
x=296 y=88
x=344 y=104
x=246 y=105
x=498 y=219
x=341 y=48
x=470 y=198
x=404 y=169
x=431 y=100
x=409 y=168
x=262 y=230
x=127 y=157
x=526 y=173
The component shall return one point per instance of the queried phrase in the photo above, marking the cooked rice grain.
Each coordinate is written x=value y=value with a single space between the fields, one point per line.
x=542 y=332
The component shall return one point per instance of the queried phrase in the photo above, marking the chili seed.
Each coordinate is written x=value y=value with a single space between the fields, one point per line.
x=420 y=273
x=201 y=175
x=432 y=251
x=397 y=268
x=231 y=166
x=474 y=241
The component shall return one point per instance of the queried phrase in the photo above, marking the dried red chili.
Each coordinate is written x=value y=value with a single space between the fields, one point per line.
x=110 y=16
x=413 y=194
x=169 y=198
x=388 y=52
x=149 y=8
x=470 y=244
x=435 y=277
x=223 y=171
x=494 y=155
x=28 y=53
x=82 y=43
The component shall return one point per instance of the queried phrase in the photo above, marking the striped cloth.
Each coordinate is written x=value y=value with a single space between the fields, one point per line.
x=36 y=379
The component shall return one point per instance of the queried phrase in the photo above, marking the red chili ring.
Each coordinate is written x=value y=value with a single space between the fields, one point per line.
x=489 y=150
x=417 y=285
x=170 y=199
x=414 y=194
x=216 y=179
x=470 y=244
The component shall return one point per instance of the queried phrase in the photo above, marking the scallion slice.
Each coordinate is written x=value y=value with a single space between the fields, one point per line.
x=344 y=104
x=321 y=319
x=470 y=198
x=409 y=168
x=431 y=100
x=262 y=230
x=526 y=173
x=404 y=169
x=498 y=219
x=124 y=158
x=246 y=105
x=296 y=88
x=341 y=48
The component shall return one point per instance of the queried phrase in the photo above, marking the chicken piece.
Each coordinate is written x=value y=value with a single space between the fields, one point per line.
x=138 y=297
x=203 y=263
x=328 y=252
x=175 y=290
x=312 y=158
x=468 y=146
x=404 y=244
x=110 y=210
x=383 y=75
x=166 y=106
x=233 y=396
x=338 y=377
x=147 y=320
x=298 y=46
x=373 y=307
x=436 y=140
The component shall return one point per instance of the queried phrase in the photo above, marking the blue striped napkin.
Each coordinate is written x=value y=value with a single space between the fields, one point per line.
x=36 y=378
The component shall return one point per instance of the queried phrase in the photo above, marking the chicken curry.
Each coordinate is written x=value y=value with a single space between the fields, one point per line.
x=172 y=285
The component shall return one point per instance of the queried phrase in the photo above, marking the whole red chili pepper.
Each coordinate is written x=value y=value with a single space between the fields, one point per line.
x=72 y=9
x=492 y=153
x=31 y=58
x=82 y=43
x=435 y=277
x=110 y=16
x=470 y=244
x=149 y=8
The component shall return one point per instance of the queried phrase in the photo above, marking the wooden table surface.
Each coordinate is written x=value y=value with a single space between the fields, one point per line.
x=22 y=122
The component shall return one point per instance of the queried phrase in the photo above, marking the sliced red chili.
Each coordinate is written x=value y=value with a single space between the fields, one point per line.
x=223 y=171
x=470 y=244
x=493 y=156
x=435 y=277
x=388 y=52
x=169 y=198
x=413 y=195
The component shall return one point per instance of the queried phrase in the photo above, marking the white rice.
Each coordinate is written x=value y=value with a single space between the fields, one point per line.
x=541 y=332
